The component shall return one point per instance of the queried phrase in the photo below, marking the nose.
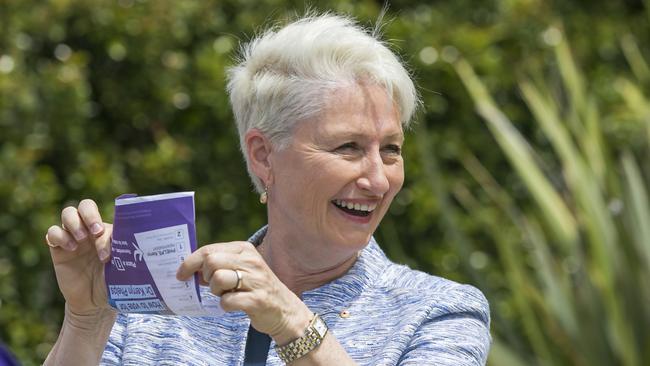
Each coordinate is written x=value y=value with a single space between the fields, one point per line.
x=373 y=178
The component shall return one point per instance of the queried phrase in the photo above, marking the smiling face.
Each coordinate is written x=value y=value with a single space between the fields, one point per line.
x=335 y=181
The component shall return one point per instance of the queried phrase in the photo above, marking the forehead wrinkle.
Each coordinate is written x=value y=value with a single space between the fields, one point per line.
x=350 y=107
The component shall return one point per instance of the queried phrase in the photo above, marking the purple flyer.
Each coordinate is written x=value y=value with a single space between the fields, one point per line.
x=152 y=236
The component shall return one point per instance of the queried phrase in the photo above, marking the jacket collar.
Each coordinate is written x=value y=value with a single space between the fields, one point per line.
x=364 y=272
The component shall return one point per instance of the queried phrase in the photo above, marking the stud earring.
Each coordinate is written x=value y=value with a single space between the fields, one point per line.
x=264 y=197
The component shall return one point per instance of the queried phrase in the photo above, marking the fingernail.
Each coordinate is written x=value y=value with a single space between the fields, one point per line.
x=79 y=235
x=72 y=245
x=96 y=228
x=103 y=254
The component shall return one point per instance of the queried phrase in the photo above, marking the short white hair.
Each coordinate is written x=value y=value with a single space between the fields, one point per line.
x=283 y=76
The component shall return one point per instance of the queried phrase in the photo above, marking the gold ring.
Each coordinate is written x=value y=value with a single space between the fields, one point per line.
x=240 y=277
x=47 y=241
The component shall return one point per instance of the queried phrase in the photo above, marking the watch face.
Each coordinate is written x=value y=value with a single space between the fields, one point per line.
x=320 y=327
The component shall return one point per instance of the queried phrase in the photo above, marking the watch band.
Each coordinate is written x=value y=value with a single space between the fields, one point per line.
x=312 y=338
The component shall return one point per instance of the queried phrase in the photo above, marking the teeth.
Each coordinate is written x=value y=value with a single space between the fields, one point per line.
x=355 y=206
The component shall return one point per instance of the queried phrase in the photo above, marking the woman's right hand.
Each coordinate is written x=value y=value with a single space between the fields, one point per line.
x=79 y=249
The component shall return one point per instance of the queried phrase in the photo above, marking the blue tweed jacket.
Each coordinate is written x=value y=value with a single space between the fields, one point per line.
x=397 y=316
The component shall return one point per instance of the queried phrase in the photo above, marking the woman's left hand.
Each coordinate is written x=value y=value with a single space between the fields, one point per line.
x=271 y=306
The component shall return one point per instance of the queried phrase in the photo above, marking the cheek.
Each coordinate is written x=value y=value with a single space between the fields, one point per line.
x=315 y=179
x=327 y=171
x=396 y=178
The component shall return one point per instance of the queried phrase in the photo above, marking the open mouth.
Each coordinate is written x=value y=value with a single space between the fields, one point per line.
x=354 y=209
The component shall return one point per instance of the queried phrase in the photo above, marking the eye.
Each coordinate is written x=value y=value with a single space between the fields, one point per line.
x=348 y=146
x=393 y=149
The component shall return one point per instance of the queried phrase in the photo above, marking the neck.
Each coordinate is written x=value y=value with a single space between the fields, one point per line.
x=304 y=267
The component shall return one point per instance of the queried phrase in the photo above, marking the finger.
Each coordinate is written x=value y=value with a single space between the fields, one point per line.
x=56 y=237
x=190 y=265
x=72 y=223
x=103 y=243
x=223 y=280
x=215 y=261
x=89 y=213
x=252 y=302
x=194 y=262
x=236 y=300
x=208 y=267
x=227 y=247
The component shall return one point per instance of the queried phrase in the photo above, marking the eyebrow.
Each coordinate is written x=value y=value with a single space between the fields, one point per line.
x=361 y=136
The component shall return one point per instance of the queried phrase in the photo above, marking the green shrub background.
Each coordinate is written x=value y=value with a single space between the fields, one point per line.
x=526 y=173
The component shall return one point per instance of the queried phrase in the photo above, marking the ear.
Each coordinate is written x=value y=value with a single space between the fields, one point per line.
x=258 y=149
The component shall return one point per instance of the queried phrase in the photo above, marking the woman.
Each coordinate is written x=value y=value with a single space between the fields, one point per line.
x=320 y=107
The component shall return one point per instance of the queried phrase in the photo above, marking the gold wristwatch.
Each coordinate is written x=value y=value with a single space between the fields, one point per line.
x=297 y=348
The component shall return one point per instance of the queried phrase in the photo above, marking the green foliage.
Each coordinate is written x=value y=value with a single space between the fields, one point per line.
x=99 y=98
x=599 y=214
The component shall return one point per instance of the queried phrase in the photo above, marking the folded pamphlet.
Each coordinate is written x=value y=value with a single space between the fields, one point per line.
x=152 y=236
